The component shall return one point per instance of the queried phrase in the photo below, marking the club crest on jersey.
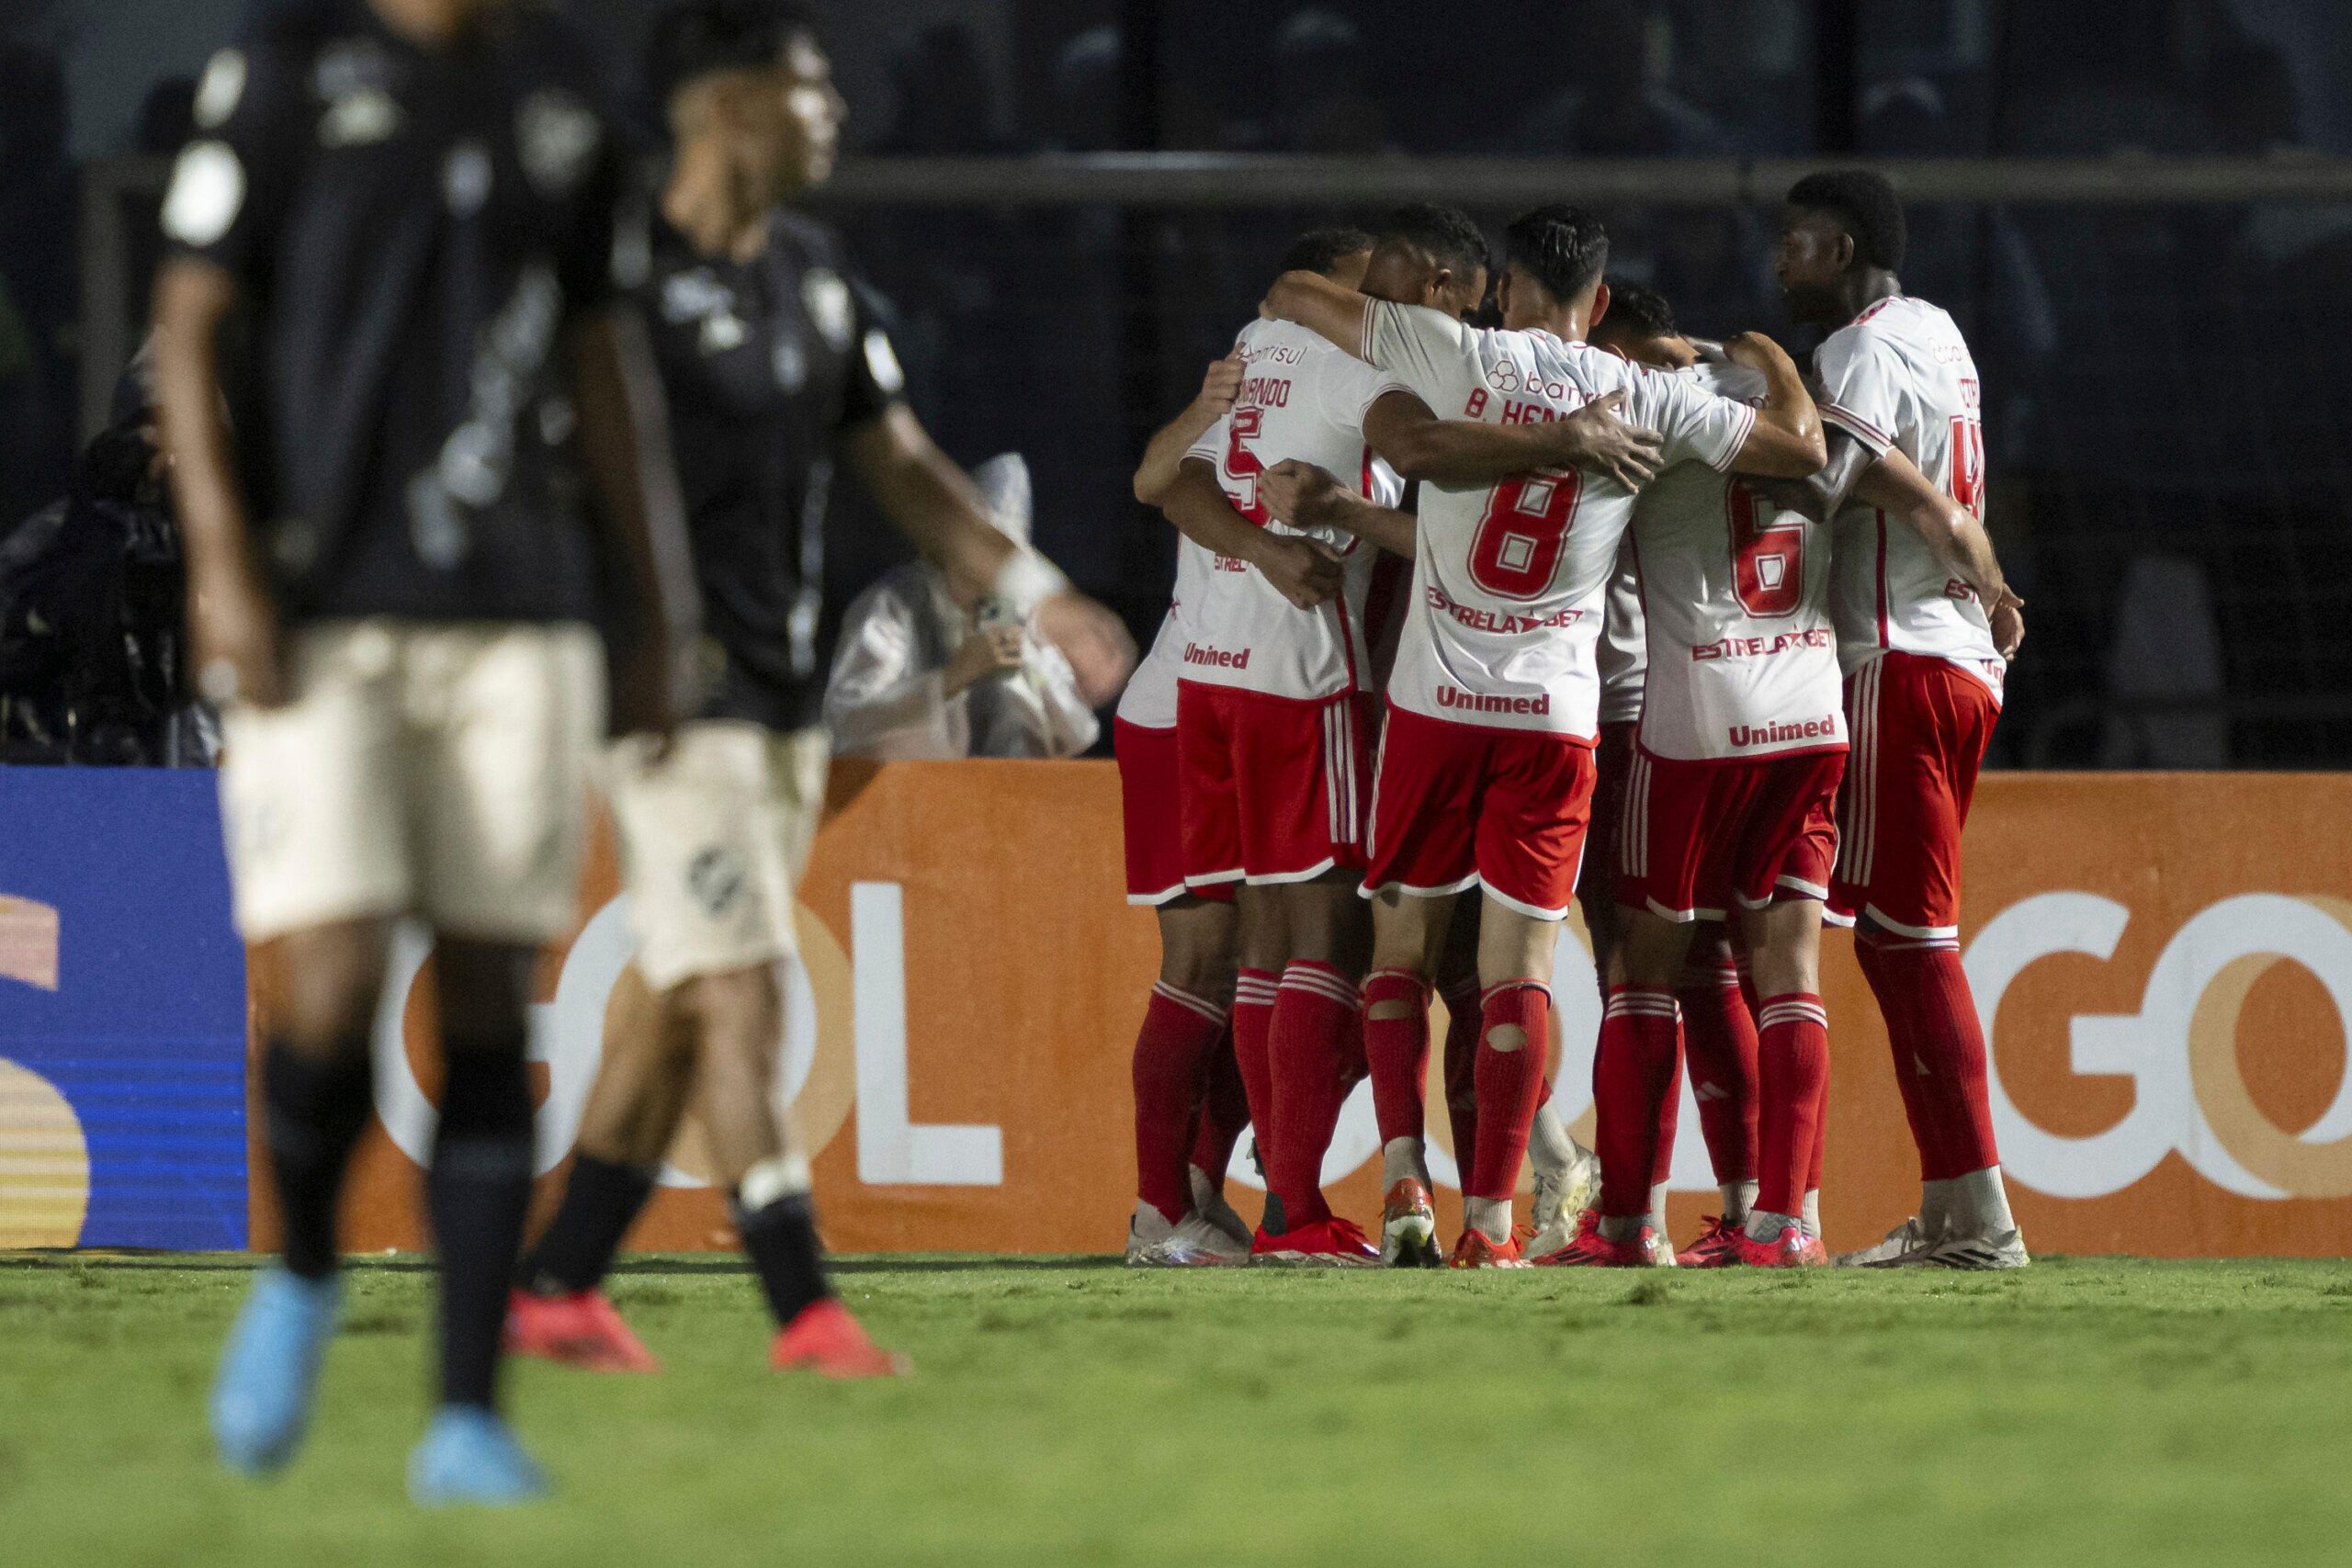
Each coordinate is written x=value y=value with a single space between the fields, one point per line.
x=557 y=138
x=827 y=298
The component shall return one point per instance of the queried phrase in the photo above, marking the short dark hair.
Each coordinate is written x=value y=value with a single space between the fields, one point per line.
x=1865 y=202
x=1563 y=247
x=1444 y=234
x=1320 y=250
x=1636 y=310
x=696 y=38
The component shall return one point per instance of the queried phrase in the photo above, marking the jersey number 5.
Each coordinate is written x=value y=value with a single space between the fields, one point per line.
x=1767 y=555
x=1517 y=547
x=1241 y=464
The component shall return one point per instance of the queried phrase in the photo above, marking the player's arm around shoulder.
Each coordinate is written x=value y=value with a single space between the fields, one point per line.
x=1300 y=570
x=1420 y=447
x=1330 y=309
x=1785 y=439
x=1895 y=485
x=1220 y=385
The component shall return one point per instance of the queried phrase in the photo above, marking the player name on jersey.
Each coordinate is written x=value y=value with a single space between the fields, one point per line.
x=1300 y=399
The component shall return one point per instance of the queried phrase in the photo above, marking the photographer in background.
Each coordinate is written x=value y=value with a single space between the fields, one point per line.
x=93 y=588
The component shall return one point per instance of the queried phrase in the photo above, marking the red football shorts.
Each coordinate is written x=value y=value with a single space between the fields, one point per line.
x=1701 y=838
x=1920 y=725
x=1458 y=805
x=1612 y=762
x=1274 y=787
x=1152 y=815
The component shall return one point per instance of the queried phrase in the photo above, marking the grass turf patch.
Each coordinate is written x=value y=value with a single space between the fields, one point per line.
x=1065 y=1410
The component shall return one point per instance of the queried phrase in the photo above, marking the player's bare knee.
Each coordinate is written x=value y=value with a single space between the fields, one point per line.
x=740 y=1019
x=325 y=985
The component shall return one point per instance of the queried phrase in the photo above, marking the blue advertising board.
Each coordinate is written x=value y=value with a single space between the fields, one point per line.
x=122 y=1013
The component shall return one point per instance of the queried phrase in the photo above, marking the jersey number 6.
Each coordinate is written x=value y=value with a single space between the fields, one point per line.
x=1518 y=544
x=1767 y=555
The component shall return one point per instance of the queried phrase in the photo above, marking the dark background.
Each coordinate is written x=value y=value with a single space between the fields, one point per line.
x=2166 y=413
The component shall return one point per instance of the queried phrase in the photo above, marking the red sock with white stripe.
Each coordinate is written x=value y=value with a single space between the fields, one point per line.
x=1253 y=1014
x=1171 y=1068
x=1315 y=1039
x=1641 y=1049
x=1719 y=1034
x=1225 y=1112
x=1462 y=1021
x=1396 y=1048
x=1791 y=1084
x=1515 y=1034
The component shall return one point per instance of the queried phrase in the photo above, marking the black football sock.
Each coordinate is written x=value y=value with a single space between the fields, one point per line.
x=780 y=1240
x=575 y=1252
x=317 y=1107
x=478 y=1191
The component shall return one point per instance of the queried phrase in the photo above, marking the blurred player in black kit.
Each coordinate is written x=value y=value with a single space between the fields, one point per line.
x=774 y=368
x=395 y=511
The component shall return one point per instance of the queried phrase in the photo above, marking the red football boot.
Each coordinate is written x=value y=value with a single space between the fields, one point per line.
x=1474 y=1251
x=1717 y=1247
x=1334 y=1243
x=580 y=1330
x=1409 y=1227
x=1790 y=1250
x=1590 y=1250
x=826 y=1341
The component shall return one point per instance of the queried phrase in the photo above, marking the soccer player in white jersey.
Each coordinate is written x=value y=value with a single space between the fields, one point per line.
x=1727 y=815
x=1925 y=621
x=1485 y=777
x=1189 y=1104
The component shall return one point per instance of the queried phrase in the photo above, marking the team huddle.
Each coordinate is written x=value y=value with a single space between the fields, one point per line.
x=1652 y=624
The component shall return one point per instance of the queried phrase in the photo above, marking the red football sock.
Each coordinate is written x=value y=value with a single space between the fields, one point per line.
x=1225 y=1112
x=1939 y=1054
x=1314 y=1036
x=1397 y=1050
x=1170 y=1066
x=1253 y=1014
x=1510 y=1085
x=1719 y=1032
x=1669 y=1122
x=1641 y=1049
x=1890 y=984
x=1462 y=1019
x=1791 y=1084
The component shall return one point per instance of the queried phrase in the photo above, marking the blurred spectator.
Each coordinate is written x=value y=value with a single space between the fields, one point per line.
x=916 y=679
x=1617 y=102
x=166 y=117
x=93 y=608
x=1326 y=106
x=37 y=281
x=946 y=101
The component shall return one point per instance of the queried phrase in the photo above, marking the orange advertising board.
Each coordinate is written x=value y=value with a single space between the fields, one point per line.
x=2167 y=962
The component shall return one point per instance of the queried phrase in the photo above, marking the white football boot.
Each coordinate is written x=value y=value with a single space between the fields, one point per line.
x=1562 y=1192
x=1147 y=1230
x=1210 y=1204
x=1903 y=1247
x=2002 y=1250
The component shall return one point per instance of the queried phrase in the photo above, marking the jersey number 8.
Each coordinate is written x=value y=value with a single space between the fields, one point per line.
x=1767 y=555
x=1517 y=547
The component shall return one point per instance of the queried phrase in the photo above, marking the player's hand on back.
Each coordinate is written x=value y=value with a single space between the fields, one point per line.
x=1302 y=570
x=237 y=646
x=1222 y=385
x=2008 y=618
x=1095 y=642
x=1597 y=439
x=991 y=650
x=1301 y=494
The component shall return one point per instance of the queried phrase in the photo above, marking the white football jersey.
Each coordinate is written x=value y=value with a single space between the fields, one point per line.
x=1150 y=697
x=1300 y=399
x=1902 y=375
x=1743 y=656
x=1509 y=579
x=1624 y=650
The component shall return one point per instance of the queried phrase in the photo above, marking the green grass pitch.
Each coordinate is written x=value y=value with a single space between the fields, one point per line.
x=1065 y=1410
